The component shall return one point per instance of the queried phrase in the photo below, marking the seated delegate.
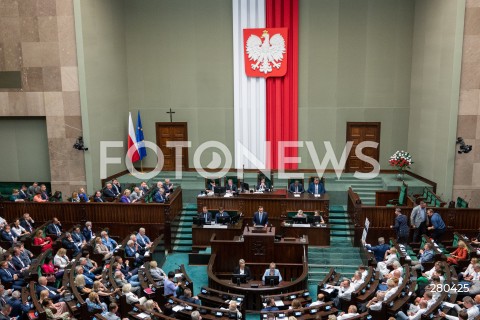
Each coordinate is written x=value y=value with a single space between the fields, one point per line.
x=272 y=271
x=243 y=269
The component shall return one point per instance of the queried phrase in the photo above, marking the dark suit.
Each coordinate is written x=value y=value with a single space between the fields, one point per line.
x=159 y=197
x=257 y=221
x=321 y=188
x=210 y=187
x=51 y=229
x=221 y=214
x=67 y=244
x=109 y=193
x=78 y=238
x=88 y=234
x=52 y=292
x=27 y=225
x=298 y=188
x=98 y=199
x=18 y=308
x=208 y=218
x=17 y=262
x=6 y=275
x=22 y=195
x=401 y=228
x=117 y=189
x=8 y=236
x=246 y=271
x=231 y=188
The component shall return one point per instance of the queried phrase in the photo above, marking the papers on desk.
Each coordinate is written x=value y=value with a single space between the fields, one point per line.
x=258 y=192
x=177 y=308
x=143 y=315
x=301 y=225
x=317 y=195
x=296 y=195
x=279 y=303
x=328 y=290
x=215 y=226
x=228 y=195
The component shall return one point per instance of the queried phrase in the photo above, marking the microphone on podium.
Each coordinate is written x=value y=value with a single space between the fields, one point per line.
x=248 y=228
x=271 y=226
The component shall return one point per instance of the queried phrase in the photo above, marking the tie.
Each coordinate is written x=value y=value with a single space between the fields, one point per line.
x=29 y=225
x=12 y=266
x=316 y=189
x=205 y=217
x=57 y=229
x=8 y=272
x=23 y=264
x=260 y=216
x=296 y=189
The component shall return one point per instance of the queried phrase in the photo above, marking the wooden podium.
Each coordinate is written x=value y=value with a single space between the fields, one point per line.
x=260 y=244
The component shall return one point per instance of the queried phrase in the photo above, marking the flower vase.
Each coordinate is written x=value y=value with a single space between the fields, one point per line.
x=401 y=175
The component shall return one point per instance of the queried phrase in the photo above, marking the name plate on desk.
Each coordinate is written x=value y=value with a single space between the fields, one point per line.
x=215 y=226
x=289 y=239
x=301 y=225
x=318 y=195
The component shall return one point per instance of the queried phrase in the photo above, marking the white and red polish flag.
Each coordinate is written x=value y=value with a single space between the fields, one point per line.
x=132 y=141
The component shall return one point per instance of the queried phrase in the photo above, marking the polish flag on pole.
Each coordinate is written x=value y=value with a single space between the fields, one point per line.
x=132 y=141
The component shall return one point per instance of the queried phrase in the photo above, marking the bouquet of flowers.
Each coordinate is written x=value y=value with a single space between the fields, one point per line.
x=401 y=160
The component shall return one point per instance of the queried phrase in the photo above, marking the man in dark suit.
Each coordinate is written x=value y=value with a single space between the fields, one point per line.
x=116 y=187
x=78 y=237
x=68 y=243
x=27 y=222
x=98 y=197
x=18 y=261
x=4 y=313
x=262 y=185
x=159 y=196
x=230 y=187
x=53 y=293
x=401 y=227
x=296 y=187
x=8 y=234
x=22 y=194
x=207 y=215
x=260 y=218
x=43 y=192
x=211 y=185
x=221 y=213
x=87 y=231
x=55 y=227
x=316 y=187
x=109 y=192
x=19 y=309
x=8 y=275
x=144 y=188
x=243 y=269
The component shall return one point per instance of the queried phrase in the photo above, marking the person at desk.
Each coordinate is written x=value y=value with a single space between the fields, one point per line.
x=317 y=217
x=300 y=214
x=159 y=196
x=221 y=213
x=211 y=186
x=231 y=188
x=296 y=187
x=205 y=214
x=243 y=269
x=260 y=218
x=270 y=305
x=316 y=187
x=272 y=271
x=262 y=186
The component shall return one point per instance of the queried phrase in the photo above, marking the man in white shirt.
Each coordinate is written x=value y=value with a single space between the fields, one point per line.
x=320 y=300
x=376 y=303
x=357 y=280
x=352 y=312
x=416 y=315
x=345 y=290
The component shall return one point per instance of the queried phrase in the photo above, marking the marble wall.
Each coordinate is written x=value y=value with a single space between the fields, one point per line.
x=467 y=166
x=37 y=37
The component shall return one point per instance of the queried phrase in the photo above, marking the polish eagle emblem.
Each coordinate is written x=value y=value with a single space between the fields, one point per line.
x=264 y=54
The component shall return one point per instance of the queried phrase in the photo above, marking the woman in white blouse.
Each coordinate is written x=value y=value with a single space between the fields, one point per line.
x=61 y=260
x=18 y=229
x=131 y=297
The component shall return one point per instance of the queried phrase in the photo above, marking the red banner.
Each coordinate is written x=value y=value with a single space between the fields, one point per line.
x=265 y=52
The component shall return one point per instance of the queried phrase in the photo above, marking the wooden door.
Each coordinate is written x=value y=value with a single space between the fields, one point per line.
x=359 y=132
x=172 y=131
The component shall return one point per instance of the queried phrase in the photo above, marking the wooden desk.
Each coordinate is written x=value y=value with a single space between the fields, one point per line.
x=317 y=236
x=201 y=235
x=276 y=203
